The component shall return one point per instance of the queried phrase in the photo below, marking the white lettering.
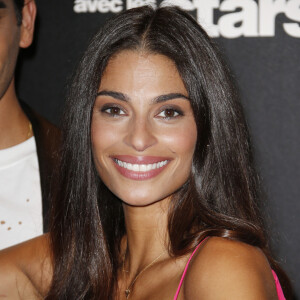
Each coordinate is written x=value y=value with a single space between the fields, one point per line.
x=183 y=4
x=268 y=9
x=247 y=18
x=116 y=6
x=293 y=12
x=205 y=15
x=80 y=6
x=102 y=6
x=92 y=5
x=205 y=12
x=106 y=6
x=242 y=18
x=139 y=3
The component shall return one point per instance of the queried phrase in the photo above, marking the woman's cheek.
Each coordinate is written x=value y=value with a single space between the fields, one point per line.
x=182 y=139
x=105 y=134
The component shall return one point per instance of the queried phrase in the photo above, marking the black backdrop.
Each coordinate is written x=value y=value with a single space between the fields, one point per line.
x=261 y=43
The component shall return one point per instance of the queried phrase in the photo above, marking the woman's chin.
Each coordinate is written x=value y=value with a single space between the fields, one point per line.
x=142 y=201
x=139 y=202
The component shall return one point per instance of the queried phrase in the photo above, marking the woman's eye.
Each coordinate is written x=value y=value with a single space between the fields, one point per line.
x=113 y=111
x=169 y=113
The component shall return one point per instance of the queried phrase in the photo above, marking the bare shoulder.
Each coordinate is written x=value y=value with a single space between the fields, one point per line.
x=225 y=269
x=26 y=269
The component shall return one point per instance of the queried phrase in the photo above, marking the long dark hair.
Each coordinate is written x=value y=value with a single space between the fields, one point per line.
x=221 y=197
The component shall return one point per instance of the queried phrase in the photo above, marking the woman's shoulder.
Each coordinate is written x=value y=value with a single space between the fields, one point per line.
x=26 y=269
x=228 y=269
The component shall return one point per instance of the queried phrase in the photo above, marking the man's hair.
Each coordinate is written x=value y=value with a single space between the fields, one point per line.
x=18 y=4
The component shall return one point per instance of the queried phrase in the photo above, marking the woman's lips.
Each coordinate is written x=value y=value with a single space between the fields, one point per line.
x=140 y=167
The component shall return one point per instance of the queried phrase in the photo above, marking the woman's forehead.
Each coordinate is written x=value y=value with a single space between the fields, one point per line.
x=141 y=72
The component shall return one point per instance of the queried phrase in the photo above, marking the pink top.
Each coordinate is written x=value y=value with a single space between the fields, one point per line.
x=277 y=283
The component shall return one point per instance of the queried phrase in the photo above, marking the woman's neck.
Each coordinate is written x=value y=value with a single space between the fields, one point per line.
x=147 y=236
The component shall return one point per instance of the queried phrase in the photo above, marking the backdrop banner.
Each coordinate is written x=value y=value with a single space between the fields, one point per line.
x=261 y=42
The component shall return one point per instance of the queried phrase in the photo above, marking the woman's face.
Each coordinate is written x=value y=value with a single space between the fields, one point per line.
x=143 y=128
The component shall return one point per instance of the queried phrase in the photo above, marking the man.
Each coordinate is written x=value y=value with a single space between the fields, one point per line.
x=27 y=141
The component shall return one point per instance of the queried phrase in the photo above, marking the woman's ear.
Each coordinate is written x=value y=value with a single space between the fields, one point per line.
x=27 y=26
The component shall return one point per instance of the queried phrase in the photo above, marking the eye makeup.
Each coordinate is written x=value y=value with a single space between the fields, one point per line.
x=170 y=112
x=113 y=110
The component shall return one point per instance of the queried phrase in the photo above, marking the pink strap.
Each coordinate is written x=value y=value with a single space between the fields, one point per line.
x=185 y=269
x=278 y=287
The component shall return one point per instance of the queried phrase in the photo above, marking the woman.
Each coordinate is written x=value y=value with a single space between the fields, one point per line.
x=157 y=197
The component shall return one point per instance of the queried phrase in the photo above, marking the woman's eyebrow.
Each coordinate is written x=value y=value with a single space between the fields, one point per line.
x=158 y=99
x=166 y=97
x=116 y=95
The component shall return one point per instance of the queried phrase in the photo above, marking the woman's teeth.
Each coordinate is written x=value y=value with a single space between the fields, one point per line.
x=140 y=168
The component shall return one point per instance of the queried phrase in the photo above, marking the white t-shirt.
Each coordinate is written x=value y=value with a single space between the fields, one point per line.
x=20 y=194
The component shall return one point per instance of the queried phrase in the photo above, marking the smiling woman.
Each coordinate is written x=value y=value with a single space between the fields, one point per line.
x=139 y=125
x=157 y=197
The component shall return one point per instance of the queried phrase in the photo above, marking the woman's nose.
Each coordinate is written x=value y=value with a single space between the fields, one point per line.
x=140 y=135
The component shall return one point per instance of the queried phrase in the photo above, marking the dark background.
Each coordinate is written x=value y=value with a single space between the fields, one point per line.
x=267 y=71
